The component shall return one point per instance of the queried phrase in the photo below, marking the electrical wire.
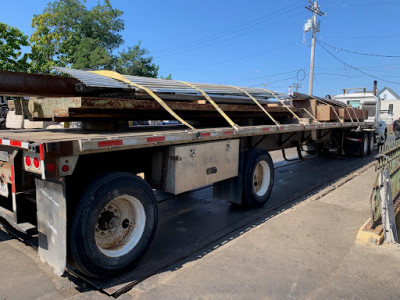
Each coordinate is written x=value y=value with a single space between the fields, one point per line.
x=263 y=76
x=352 y=67
x=360 y=53
x=212 y=43
x=268 y=83
x=233 y=59
x=234 y=29
x=364 y=4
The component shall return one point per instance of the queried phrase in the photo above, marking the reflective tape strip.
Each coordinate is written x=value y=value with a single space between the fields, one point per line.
x=12 y=180
x=229 y=132
x=110 y=143
x=14 y=143
x=156 y=139
x=41 y=151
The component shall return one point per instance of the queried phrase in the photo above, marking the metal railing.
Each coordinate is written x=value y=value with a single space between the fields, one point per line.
x=385 y=197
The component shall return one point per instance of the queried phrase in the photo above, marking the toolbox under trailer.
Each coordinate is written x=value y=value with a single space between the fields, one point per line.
x=90 y=193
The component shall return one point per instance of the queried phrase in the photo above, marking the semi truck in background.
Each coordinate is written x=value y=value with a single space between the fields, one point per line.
x=380 y=113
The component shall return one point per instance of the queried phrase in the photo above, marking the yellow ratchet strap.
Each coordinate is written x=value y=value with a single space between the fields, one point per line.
x=236 y=127
x=355 y=114
x=287 y=107
x=117 y=76
x=310 y=114
x=256 y=102
x=334 y=110
x=349 y=114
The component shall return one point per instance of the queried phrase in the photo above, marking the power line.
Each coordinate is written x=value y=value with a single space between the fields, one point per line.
x=232 y=59
x=289 y=78
x=210 y=43
x=234 y=29
x=263 y=76
x=355 y=52
x=350 y=66
x=364 y=4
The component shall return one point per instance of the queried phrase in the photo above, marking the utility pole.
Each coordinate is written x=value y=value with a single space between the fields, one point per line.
x=313 y=24
x=296 y=86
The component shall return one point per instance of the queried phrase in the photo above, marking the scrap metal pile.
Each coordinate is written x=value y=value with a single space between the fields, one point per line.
x=97 y=96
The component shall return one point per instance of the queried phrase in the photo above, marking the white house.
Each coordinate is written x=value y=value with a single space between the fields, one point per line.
x=361 y=98
x=387 y=94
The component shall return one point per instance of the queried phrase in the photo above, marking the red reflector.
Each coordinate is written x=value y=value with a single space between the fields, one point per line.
x=36 y=162
x=51 y=167
x=265 y=129
x=110 y=143
x=229 y=132
x=156 y=139
x=28 y=161
x=15 y=143
x=65 y=168
x=204 y=134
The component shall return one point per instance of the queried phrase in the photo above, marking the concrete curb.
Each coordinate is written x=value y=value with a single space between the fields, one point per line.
x=368 y=236
x=341 y=182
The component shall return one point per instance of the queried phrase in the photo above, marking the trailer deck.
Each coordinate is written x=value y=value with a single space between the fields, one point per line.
x=88 y=141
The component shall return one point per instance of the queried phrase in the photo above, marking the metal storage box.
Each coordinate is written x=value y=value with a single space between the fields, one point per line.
x=196 y=165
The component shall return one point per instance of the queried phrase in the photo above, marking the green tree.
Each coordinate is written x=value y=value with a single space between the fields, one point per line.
x=67 y=33
x=136 y=62
x=11 y=42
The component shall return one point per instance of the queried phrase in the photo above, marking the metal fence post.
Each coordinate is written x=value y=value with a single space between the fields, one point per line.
x=388 y=218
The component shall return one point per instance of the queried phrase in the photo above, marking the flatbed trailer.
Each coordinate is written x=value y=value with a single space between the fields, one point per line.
x=89 y=194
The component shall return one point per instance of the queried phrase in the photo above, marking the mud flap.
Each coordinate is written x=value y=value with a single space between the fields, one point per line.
x=231 y=189
x=52 y=224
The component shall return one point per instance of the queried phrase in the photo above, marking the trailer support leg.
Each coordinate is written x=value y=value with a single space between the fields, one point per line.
x=52 y=223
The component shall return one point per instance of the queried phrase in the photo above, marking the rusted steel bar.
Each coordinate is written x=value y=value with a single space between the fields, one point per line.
x=24 y=84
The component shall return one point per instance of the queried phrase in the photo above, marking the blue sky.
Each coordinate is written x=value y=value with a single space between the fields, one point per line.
x=252 y=43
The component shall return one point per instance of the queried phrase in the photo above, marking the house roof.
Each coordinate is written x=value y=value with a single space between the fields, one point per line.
x=390 y=91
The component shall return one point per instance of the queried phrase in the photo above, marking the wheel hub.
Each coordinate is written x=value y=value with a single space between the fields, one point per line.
x=120 y=226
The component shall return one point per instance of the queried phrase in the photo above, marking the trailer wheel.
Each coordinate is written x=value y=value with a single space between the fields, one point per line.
x=258 y=178
x=364 y=145
x=371 y=142
x=113 y=225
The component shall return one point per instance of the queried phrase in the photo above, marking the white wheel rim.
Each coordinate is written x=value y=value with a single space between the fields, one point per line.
x=371 y=143
x=120 y=226
x=261 y=178
x=365 y=144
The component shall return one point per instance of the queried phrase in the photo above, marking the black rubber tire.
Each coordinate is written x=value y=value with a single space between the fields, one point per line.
x=371 y=142
x=85 y=254
x=250 y=199
x=364 y=139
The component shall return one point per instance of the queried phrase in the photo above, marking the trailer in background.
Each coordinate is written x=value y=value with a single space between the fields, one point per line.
x=89 y=191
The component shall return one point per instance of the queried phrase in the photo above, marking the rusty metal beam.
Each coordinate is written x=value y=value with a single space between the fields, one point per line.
x=25 y=84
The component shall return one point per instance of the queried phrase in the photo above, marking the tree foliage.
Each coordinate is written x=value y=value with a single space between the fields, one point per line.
x=67 y=33
x=135 y=62
x=11 y=42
